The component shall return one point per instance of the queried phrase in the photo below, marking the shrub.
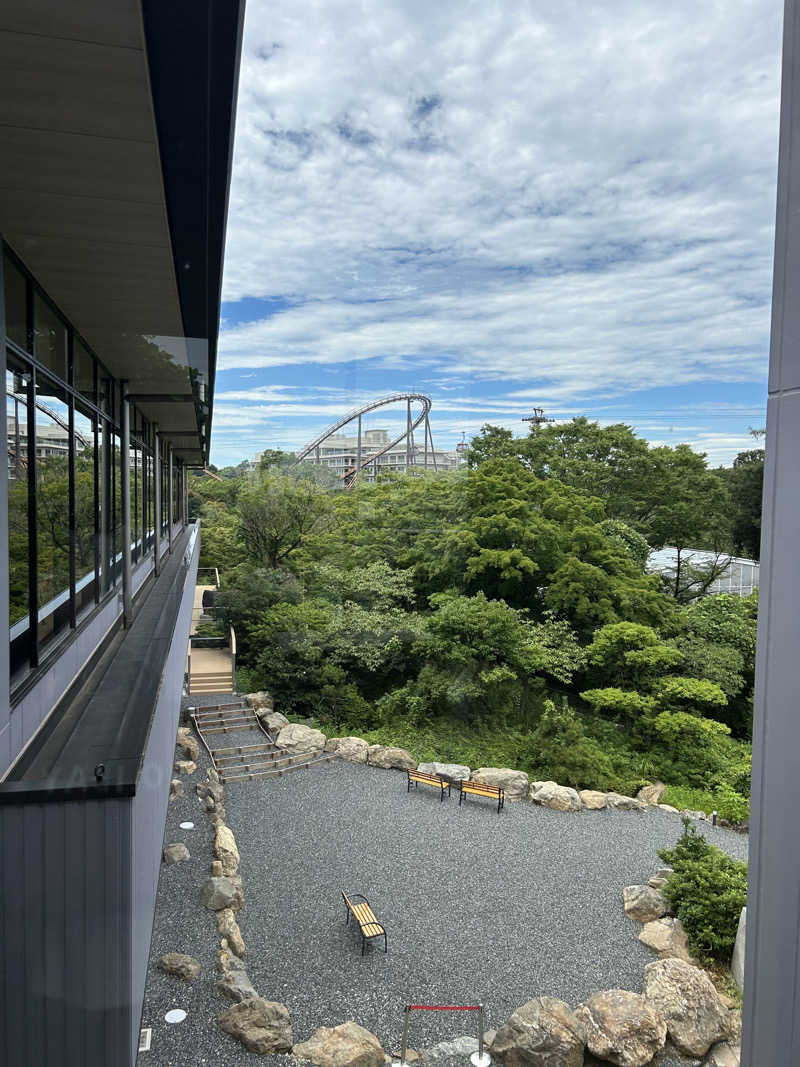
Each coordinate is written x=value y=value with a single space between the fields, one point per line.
x=707 y=892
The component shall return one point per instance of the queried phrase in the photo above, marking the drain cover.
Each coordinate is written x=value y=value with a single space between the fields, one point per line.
x=175 y=1015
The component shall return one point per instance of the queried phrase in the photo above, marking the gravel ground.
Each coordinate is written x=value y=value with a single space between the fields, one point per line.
x=479 y=907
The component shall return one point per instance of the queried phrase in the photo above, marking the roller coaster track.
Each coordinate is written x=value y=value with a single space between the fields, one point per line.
x=356 y=413
x=50 y=414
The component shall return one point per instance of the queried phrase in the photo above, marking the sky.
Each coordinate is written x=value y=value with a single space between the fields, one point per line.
x=501 y=204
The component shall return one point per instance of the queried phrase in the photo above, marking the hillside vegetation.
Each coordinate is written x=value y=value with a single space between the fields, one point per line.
x=501 y=614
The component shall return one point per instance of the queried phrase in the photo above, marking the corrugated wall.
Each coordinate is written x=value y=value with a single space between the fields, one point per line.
x=65 y=882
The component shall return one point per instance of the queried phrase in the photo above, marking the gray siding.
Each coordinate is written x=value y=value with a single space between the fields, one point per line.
x=65 y=886
x=5 y=729
x=772 y=992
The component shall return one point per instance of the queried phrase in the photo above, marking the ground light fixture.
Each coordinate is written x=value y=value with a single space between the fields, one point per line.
x=175 y=1015
x=186 y=825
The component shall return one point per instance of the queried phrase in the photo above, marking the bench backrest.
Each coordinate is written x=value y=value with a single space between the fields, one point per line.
x=480 y=787
x=425 y=777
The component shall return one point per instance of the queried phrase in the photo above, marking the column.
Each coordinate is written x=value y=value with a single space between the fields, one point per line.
x=771 y=1035
x=157 y=522
x=170 y=497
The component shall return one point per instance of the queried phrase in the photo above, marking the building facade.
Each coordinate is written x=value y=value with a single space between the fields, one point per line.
x=116 y=135
x=339 y=452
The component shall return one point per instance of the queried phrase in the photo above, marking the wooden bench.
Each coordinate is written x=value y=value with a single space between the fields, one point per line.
x=480 y=789
x=358 y=907
x=428 y=779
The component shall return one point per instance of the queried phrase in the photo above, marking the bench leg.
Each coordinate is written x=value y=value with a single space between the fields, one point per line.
x=385 y=944
x=363 y=944
x=460 y=796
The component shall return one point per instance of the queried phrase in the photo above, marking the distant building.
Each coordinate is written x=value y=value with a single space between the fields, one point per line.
x=51 y=440
x=340 y=453
x=741 y=576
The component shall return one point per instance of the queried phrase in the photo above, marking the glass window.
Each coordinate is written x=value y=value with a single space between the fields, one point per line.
x=15 y=287
x=18 y=556
x=116 y=506
x=105 y=471
x=85 y=508
x=52 y=508
x=83 y=371
x=49 y=338
x=136 y=497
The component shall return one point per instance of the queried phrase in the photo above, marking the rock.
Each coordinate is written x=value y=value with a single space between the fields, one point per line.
x=737 y=962
x=261 y=1025
x=668 y=938
x=412 y=1056
x=488 y=1037
x=209 y=804
x=687 y=1001
x=180 y=965
x=451 y=772
x=592 y=799
x=225 y=849
x=644 y=903
x=353 y=749
x=259 y=700
x=458 y=1047
x=176 y=853
x=212 y=775
x=228 y=927
x=618 y=802
x=542 y=1033
x=514 y=783
x=735 y=1026
x=175 y=788
x=210 y=789
x=660 y=878
x=298 y=738
x=219 y=893
x=272 y=721
x=652 y=794
x=185 y=766
x=226 y=960
x=724 y=1055
x=668 y=807
x=186 y=741
x=558 y=797
x=698 y=815
x=621 y=1027
x=236 y=986
x=389 y=756
x=216 y=869
x=347 y=1045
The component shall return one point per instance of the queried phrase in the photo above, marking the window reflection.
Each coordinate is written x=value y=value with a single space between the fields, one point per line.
x=52 y=504
x=49 y=338
x=17 y=431
x=15 y=287
x=85 y=509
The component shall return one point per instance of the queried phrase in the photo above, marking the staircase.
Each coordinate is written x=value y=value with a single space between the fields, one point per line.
x=240 y=763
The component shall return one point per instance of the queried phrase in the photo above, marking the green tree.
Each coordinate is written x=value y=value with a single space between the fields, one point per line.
x=277 y=514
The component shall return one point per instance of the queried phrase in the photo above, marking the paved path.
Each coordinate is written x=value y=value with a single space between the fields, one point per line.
x=478 y=906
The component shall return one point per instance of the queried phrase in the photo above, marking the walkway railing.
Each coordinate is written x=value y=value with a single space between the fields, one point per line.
x=478 y=1059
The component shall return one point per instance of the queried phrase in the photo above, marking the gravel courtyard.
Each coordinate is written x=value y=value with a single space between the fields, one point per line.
x=479 y=907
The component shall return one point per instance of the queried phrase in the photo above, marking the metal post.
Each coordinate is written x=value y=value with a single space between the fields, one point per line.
x=157 y=516
x=171 y=500
x=426 y=442
x=125 y=483
x=433 y=449
x=403 y=1048
x=408 y=434
x=358 y=453
x=480 y=1058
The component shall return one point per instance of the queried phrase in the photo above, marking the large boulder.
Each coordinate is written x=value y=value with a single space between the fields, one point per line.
x=592 y=799
x=542 y=1033
x=725 y=1054
x=353 y=749
x=185 y=766
x=451 y=772
x=298 y=738
x=186 y=741
x=389 y=756
x=618 y=802
x=175 y=789
x=272 y=721
x=737 y=962
x=621 y=1027
x=236 y=986
x=347 y=1045
x=660 y=878
x=221 y=892
x=176 y=853
x=651 y=794
x=515 y=784
x=261 y=1025
x=687 y=1001
x=261 y=699
x=668 y=938
x=644 y=903
x=180 y=965
x=225 y=849
x=558 y=797
x=456 y=1048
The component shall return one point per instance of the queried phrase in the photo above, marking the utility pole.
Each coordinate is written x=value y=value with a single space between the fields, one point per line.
x=537 y=418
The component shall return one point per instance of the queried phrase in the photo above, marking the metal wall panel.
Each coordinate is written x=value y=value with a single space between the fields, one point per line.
x=771 y=991
x=65 y=888
x=5 y=733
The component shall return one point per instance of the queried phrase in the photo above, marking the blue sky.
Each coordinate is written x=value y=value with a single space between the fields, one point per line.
x=501 y=205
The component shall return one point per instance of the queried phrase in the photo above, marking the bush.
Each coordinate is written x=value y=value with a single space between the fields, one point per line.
x=727 y=803
x=707 y=892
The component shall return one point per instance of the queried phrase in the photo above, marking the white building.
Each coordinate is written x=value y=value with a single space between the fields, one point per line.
x=340 y=453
